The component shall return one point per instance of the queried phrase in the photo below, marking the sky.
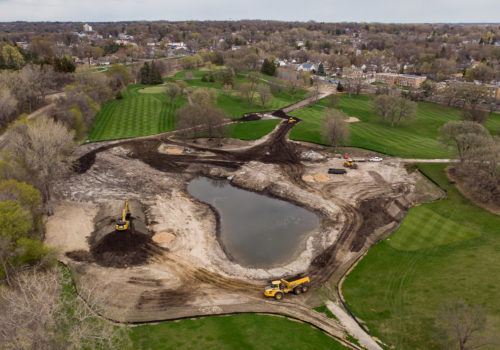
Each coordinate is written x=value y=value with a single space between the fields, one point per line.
x=388 y=11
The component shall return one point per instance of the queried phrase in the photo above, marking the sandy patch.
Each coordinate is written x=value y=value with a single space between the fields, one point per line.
x=163 y=237
x=308 y=178
x=70 y=234
x=169 y=150
x=321 y=178
x=352 y=120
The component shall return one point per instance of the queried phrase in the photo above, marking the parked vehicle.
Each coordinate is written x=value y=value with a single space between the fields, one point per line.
x=375 y=159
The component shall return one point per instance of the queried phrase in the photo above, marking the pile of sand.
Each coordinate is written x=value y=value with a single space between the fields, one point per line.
x=308 y=178
x=321 y=178
x=163 y=237
x=352 y=120
x=169 y=150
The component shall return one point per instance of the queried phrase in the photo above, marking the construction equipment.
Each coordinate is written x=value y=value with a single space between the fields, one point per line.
x=351 y=164
x=123 y=223
x=277 y=289
x=292 y=120
x=337 y=171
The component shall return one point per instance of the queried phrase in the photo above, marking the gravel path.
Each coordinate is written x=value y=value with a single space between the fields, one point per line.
x=352 y=327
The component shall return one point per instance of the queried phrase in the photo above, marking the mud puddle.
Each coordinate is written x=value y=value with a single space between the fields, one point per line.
x=255 y=230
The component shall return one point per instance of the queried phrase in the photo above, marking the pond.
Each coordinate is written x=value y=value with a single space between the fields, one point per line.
x=255 y=229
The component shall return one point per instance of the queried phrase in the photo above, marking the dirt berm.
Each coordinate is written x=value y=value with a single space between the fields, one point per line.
x=190 y=274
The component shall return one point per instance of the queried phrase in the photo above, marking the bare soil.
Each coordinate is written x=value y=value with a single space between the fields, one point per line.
x=195 y=276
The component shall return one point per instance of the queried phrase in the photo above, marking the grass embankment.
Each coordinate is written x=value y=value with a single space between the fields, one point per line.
x=245 y=331
x=144 y=110
x=416 y=138
x=445 y=250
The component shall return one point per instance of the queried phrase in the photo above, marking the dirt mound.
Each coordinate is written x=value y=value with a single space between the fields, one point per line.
x=280 y=113
x=80 y=255
x=163 y=237
x=249 y=117
x=124 y=248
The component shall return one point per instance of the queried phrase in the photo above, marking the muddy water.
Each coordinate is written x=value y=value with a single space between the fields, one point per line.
x=255 y=230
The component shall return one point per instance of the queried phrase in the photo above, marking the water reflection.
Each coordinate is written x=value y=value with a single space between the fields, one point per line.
x=256 y=230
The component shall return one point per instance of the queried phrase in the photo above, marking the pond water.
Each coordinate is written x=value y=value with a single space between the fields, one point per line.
x=255 y=229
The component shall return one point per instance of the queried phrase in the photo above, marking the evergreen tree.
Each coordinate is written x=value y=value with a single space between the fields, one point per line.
x=155 y=75
x=145 y=73
x=321 y=69
x=340 y=88
x=268 y=67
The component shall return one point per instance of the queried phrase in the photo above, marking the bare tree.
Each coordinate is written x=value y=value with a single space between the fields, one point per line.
x=43 y=147
x=334 y=128
x=265 y=95
x=404 y=109
x=383 y=105
x=314 y=92
x=204 y=97
x=227 y=89
x=465 y=326
x=36 y=314
x=8 y=105
x=333 y=100
x=293 y=87
x=172 y=91
x=463 y=136
x=247 y=92
x=475 y=115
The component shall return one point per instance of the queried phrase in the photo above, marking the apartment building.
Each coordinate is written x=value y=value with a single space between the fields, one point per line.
x=400 y=79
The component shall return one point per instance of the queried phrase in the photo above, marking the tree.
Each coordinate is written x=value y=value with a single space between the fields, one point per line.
x=383 y=105
x=247 y=92
x=8 y=105
x=204 y=97
x=475 y=115
x=227 y=89
x=64 y=64
x=145 y=73
x=43 y=147
x=172 y=91
x=333 y=100
x=12 y=57
x=37 y=314
x=403 y=109
x=463 y=136
x=321 y=70
x=464 y=325
x=268 y=67
x=119 y=76
x=334 y=128
x=314 y=92
x=192 y=120
x=293 y=86
x=340 y=87
x=265 y=95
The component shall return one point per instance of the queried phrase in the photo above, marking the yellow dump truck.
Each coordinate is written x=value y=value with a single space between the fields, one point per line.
x=277 y=289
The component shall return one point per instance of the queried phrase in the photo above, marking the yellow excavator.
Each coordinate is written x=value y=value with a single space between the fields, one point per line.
x=349 y=163
x=277 y=289
x=292 y=120
x=123 y=223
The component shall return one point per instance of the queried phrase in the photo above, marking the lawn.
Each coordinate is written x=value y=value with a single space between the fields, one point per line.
x=445 y=250
x=251 y=130
x=413 y=139
x=137 y=114
x=245 y=331
x=144 y=110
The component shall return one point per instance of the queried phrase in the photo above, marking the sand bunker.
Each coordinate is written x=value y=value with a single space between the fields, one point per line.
x=352 y=120
x=163 y=237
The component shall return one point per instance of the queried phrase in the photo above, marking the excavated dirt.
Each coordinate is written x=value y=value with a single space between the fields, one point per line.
x=194 y=275
x=124 y=248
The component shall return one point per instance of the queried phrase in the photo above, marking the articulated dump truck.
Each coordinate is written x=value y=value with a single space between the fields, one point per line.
x=277 y=289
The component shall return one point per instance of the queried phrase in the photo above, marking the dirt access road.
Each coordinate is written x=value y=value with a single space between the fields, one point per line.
x=191 y=274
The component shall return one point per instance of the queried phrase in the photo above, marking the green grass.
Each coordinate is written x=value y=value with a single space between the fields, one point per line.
x=153 y=90
x=445 y=250
x=135 y=115
x=251 y=130
x=416 y=138
x=144 y=110
x=245 y=331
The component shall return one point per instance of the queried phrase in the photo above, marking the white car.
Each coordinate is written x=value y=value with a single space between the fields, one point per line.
x=375 y=159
